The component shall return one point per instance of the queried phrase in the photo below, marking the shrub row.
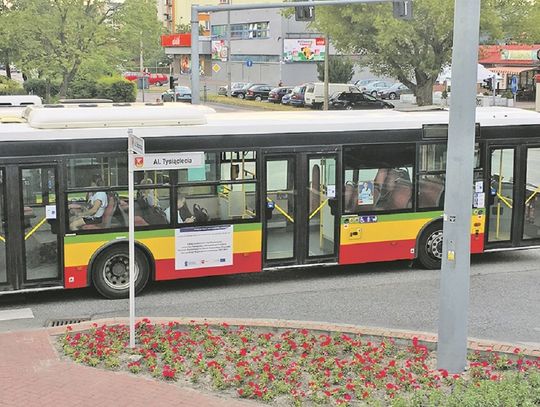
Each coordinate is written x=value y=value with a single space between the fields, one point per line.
x=10 y=87
x=115 y=88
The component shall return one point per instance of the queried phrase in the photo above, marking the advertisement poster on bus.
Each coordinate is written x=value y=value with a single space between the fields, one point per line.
x=210 y=246
x=303 y=50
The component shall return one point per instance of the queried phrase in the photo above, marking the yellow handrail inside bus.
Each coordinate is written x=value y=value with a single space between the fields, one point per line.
x=506 y=200
x=41 y=222
x=280 y=210
x=535 y=192
x=318 y=209
x=2 y=238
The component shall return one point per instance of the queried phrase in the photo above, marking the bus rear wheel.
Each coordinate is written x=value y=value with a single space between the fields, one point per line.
x=430 y=246
x=110 y=272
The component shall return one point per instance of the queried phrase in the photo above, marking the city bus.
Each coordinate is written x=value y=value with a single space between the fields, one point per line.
x=253 y=191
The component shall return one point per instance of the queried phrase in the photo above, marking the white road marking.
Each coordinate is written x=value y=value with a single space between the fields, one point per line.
x=20 y=313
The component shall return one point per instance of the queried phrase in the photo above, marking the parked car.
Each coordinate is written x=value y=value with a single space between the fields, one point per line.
x=286 y=99
x=362 y=83
x=314 y=96
x=258 y=92
x=394 y=91
x=357 y=100
x=277 y=94
x=240 y=93
x=297 y=96
x=374 y=87
x=157 y=79
x=183 y=94
x=222 y=90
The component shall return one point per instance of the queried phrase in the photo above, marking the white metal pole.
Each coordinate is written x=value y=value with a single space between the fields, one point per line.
x=195 y=84
x=326 y=70
x=131 y=243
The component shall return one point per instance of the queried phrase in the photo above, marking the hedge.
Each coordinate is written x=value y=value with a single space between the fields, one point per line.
x=10 y=87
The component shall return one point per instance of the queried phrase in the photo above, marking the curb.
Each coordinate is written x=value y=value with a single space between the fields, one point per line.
x=402 y=337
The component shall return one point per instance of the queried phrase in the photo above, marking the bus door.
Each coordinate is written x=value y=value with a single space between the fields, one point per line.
x=512 y=197
x=29 y=238
x=301 y=208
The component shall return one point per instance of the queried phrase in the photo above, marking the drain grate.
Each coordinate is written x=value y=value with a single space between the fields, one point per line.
x=65 y=321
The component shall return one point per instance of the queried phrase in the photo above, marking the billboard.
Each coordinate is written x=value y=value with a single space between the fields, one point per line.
x=219 y=50
x=303 y=50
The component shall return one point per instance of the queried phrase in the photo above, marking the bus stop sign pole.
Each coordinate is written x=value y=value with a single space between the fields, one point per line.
x=135 y=145
x=455 y=272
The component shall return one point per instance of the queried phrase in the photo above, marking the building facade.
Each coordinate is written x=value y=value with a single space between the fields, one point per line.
x=522 y=61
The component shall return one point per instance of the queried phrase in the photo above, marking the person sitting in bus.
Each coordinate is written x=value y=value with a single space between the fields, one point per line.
x=92 y=214
x=184 y=214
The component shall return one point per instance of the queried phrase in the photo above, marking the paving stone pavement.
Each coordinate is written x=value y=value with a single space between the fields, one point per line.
x=33 y=374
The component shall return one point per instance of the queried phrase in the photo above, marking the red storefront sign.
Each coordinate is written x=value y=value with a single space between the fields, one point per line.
x=176 y=40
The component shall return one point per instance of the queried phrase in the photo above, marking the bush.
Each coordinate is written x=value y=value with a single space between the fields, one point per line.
x=10 y=87
x=117 y=89
x=39 y=87
x=508 y=94
x=82 y=88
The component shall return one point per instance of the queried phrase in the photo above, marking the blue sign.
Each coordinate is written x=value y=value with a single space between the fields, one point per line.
x=249 y=63
x=514 y=84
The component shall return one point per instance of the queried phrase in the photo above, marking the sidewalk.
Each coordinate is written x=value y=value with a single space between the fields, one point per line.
x=33 y=374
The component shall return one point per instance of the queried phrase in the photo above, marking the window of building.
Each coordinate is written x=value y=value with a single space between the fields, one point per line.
x=244 y=31
x=378 y=178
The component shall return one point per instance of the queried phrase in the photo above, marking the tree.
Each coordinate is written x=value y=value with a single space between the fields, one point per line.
x=139 y=31
x=412 y=51
x=9 y=45
x=340 y=69
x=62 y=35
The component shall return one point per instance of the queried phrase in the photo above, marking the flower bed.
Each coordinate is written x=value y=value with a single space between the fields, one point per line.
x=295 y=367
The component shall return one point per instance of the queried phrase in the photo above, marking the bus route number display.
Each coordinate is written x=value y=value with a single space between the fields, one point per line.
x=210 y=246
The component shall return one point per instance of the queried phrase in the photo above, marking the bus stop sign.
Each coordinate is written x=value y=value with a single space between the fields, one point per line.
x=514 y=84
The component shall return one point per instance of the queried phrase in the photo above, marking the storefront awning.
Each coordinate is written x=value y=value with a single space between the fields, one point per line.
x=511 y=70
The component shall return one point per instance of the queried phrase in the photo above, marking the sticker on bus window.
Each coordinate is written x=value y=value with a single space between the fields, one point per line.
x=365 y=193
x=331 y=191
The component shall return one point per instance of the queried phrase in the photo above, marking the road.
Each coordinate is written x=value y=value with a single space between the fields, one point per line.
x=505 y=301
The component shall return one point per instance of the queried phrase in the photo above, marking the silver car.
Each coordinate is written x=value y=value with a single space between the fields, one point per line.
x=394 y=91
x=373 y=88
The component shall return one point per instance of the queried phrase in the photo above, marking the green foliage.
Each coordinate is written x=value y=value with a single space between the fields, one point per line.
x=117 y=89
x=10 y=87
x=39 y=87
x=82 y=88
x=415 y=51
x=507 y=94
x=340 y=69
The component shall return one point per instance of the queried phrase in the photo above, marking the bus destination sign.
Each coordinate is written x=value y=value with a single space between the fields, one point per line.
x=168 y=161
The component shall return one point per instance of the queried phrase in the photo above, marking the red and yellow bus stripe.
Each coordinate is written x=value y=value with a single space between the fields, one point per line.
x=79 y=249
x=393 y=237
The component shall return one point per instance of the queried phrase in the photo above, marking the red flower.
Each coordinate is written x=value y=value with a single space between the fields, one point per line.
x=365 y=395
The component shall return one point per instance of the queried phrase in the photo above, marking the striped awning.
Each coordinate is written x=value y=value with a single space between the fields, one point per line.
x=511 y=70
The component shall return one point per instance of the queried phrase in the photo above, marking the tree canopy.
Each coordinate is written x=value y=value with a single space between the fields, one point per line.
x=415 y=51
x=64 y=38
x=340 y=69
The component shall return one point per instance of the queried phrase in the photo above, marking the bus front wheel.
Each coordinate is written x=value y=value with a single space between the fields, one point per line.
x=110 y=272
x=430 y=246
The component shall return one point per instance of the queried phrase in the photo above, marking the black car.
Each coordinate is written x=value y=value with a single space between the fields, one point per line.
x=355 y=100
x=241 y=92
x=258 y=92
x=277 y=94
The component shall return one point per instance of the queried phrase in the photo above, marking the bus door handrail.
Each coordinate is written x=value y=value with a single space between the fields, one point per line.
x=280 y=210
x=318 y=209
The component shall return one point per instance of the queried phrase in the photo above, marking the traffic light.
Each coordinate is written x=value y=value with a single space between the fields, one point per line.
x=488 y=83
x=304 y=13
x=403 y=9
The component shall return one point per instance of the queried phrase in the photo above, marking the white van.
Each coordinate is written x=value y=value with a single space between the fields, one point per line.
x=314 y=96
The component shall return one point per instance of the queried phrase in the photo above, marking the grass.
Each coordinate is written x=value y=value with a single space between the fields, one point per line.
x=252 y=104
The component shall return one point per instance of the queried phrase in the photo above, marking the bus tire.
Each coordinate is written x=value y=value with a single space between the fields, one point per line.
x=430 y=246
x=110 y=272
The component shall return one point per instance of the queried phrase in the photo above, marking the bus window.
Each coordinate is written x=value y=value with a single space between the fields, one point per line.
x=111 y=169
x=378 y=178
x=226 y=202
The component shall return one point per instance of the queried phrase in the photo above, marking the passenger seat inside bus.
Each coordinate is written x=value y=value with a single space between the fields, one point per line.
x=395 y=189
x=107 y=217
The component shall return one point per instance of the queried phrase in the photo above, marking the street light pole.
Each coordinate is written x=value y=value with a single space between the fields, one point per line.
x=456 y=258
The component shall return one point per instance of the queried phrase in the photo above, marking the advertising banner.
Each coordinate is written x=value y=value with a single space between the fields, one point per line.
x=303 y=50
x=209 y=246
x=219 y=50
